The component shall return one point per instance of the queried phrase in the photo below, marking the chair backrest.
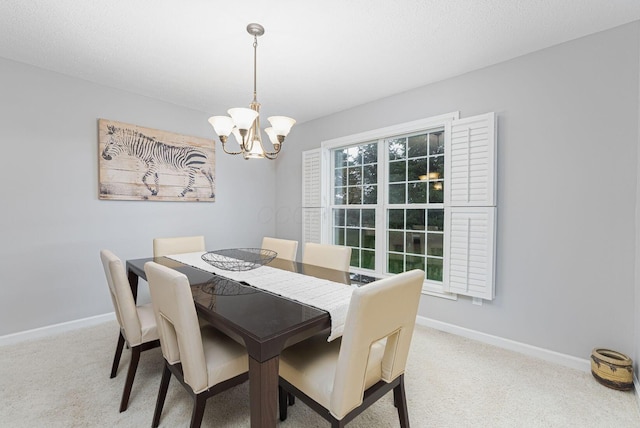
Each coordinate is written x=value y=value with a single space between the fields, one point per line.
x=178 y=245
x=330 y=256
x=122 y=297
x=178 y=328
x=286 y=249
x=386 y=308
x=289 y=265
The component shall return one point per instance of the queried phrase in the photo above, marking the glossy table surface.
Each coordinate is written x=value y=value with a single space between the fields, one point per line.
x=264 y=322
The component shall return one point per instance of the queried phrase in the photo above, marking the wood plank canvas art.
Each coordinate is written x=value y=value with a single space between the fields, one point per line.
x=137 y=163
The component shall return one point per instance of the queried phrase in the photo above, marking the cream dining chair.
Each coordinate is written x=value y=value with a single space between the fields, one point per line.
x=137 y=323
x=204 y=361
x=286 y=249
x=335 y=257
x=340 y=379
x=178 y=245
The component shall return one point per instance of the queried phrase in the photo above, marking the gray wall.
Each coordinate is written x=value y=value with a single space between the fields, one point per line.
x=53 y=225
x=567 y=168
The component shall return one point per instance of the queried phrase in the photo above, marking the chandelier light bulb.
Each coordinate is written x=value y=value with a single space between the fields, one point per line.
x=273 y=137
x=242 y=117
x=238 y=137
x=223 y=125
x=281 y=124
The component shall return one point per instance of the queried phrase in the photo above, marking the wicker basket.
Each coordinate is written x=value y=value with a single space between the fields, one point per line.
x=612 y=369
x=239 y=259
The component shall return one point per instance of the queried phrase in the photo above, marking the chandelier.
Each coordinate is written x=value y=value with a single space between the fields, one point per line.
x=244 y=123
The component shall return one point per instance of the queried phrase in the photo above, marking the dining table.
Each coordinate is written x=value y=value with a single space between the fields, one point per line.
x=264 y=322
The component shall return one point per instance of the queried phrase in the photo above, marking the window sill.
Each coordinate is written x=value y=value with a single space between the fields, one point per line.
x=362 y=277
x=432 y=289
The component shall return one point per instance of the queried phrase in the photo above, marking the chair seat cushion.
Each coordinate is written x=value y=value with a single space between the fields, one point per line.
x=147 y=324
x=225 y=358
x=310 y=366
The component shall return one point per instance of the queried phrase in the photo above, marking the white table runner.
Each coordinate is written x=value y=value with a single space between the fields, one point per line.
x=329 y=296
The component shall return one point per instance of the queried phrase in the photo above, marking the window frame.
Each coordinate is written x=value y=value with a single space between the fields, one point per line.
x=380 y=136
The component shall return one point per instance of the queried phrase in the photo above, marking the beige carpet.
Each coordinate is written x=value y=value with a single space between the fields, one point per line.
x=63 y=381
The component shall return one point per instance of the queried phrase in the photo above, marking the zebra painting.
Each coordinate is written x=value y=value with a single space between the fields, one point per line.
x=156 y=157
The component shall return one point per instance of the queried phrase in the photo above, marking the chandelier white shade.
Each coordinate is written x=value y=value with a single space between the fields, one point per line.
x=244 y=123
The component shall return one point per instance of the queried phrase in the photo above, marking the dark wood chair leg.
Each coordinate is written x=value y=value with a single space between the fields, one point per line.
x=199 y=401
x=116 y=357
x=337 y=424
x=162 y=394
x=400 y=401
x=292 y=399
x=282 y=403
x=131 y=374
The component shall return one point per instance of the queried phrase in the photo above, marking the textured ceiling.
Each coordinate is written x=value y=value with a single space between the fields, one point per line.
x=316 y=58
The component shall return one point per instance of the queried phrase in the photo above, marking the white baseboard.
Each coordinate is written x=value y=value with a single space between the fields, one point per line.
x=50 y=330
x=545 y=354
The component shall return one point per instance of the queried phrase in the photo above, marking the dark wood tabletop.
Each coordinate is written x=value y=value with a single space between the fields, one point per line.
x=264 y=322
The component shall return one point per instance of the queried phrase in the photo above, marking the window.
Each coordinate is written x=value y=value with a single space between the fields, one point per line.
x=354 y=199
x=414 y=213
x=414 y=196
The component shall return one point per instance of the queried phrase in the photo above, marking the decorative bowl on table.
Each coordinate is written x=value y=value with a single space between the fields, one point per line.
x=218 y=285
x=239 y=259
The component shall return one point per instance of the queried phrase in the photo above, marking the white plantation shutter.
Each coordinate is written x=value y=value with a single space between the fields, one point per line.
x=471 y=242
x=312 y=196
x=470 y=206
x=312 y=225
x=311 y=178
x=471 y=159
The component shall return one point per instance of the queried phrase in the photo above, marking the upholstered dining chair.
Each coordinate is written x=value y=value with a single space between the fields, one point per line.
x=340 y=379
x=335 y=257
x=178 y=245
x=204 y=361
x=286 y=249
x=137 y=323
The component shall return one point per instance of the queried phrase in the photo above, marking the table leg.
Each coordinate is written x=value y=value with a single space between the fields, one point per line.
x=263 y=392
x=133 y=283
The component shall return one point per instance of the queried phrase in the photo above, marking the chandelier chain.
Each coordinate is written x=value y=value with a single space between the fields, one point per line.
x=255 y=68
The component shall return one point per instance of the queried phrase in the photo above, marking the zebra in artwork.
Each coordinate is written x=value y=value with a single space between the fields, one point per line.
x=155 y=154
